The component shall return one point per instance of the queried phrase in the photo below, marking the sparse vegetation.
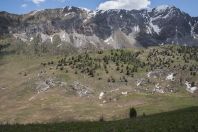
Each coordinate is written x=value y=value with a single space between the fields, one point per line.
x=72 y=83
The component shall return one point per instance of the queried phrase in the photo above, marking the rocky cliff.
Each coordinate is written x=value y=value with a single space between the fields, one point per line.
x=111 y=28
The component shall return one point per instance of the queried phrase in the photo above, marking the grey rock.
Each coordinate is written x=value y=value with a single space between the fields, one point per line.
x=111 y=28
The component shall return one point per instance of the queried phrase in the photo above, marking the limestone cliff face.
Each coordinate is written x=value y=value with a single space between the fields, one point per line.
x=112 y=28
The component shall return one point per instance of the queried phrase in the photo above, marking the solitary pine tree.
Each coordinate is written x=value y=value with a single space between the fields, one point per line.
x=132 y=113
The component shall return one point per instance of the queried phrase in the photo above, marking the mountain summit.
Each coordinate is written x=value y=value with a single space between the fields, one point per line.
x=111 y=28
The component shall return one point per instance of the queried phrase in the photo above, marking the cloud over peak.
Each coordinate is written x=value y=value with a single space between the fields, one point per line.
x=124 y=4
x=24 y=5
x=38 y=1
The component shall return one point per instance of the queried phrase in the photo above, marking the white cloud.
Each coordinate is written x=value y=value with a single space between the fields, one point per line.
x=124 y=4
x=38 y=1
x=24 y=5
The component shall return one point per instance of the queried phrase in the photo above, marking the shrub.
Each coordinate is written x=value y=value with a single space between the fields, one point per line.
x=61 y=68
x=132 y=113
x=101 y=118
x=113 y=80
x=192 y=84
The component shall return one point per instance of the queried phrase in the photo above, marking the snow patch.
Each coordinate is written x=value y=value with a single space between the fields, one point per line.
x=59 y=45
x=192 y=30
x=170 y=77
x=157 y=86
x=85 y=9
x=33 y=13
x=148 y=30
x=31 y=39
x=114 y=90
x=104 y=101
x=139 y=82
x=89 y=16
x=136 y=29
x=109 y=40
x=51 y=39
x=124 y=93
x=101 y=95
x=158 y=89
x=67 y=14
x=154 y=27
x=167 y=15
x=189 y=88
x=149 y=74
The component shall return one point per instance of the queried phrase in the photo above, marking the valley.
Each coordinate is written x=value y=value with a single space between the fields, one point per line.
x=118 y=69
x=91 y=84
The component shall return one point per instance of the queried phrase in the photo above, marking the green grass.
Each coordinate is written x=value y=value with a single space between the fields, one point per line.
x=183 y=120
x=61 y=104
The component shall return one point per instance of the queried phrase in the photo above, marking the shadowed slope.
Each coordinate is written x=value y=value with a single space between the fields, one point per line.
x=176 y=121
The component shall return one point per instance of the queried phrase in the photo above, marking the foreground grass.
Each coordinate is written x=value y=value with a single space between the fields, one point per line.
x=184 y=120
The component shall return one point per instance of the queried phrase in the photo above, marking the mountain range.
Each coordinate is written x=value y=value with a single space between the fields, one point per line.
x=112 y=28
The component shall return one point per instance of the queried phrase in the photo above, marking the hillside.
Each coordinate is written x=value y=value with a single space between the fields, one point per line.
x=89 y=84
x=126 y=68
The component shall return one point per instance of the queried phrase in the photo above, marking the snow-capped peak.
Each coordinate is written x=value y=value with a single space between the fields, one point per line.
x=162 y=8
x=32 y=13
x=85 y=9
x=68 y=7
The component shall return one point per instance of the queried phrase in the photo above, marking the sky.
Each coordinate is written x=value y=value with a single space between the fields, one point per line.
x=25 y=6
